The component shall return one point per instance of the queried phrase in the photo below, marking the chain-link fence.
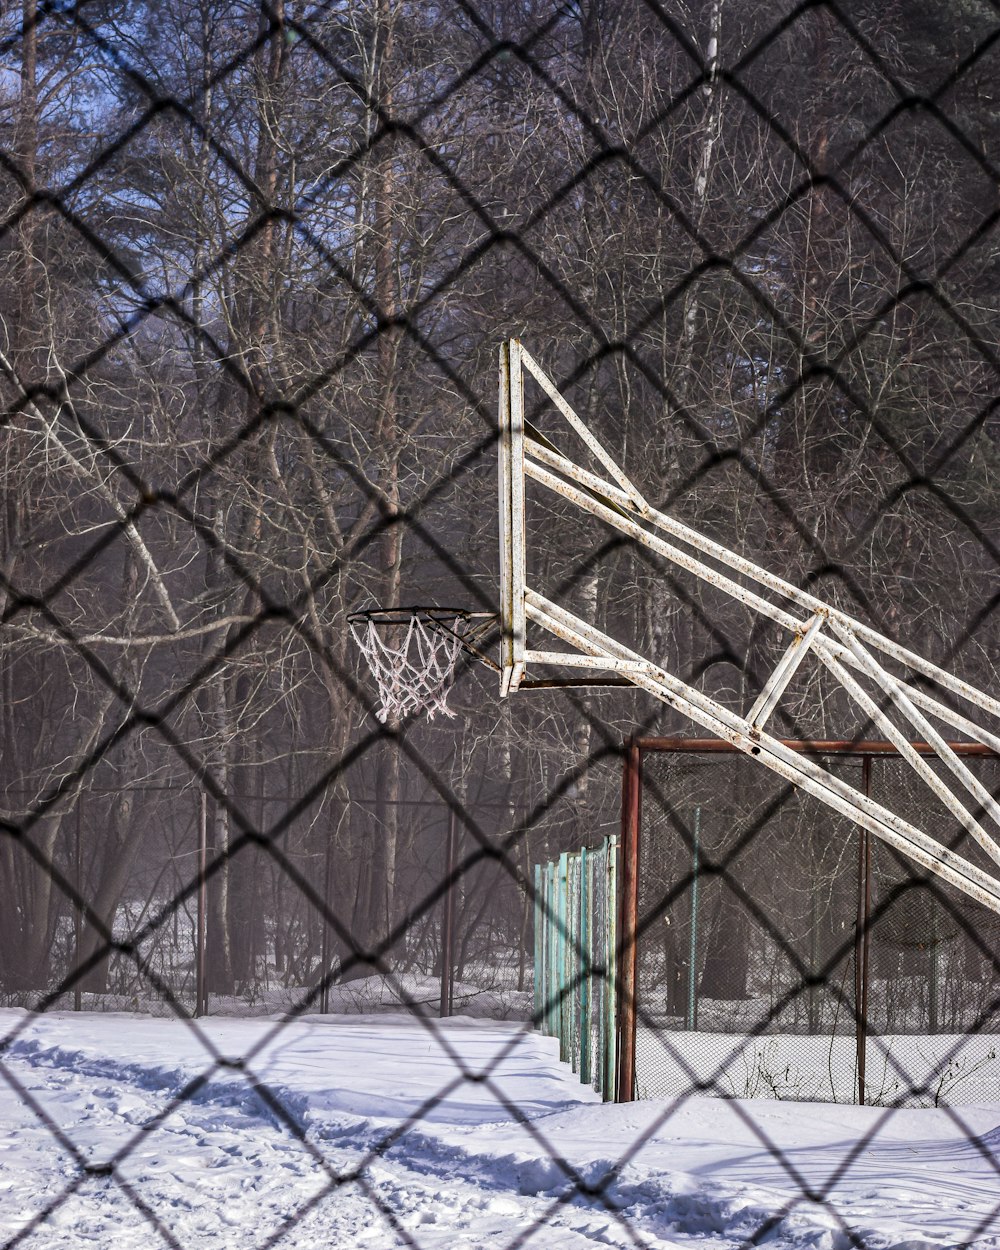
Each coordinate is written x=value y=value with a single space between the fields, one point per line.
x=256 y=261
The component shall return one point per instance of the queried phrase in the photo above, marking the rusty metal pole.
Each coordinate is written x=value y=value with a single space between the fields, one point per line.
x=78 y=909
x=866 y=929
x=324 y=995
x=448 y=919
x=201 y=989
x=691 y=1022
x=861 y=936
x=629 y=909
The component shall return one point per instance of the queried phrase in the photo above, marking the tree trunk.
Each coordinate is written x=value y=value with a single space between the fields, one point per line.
x=122 y=837
x=375 y=912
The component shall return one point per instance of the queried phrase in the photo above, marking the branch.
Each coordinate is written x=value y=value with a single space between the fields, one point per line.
x=137 y=640
x=135 y=538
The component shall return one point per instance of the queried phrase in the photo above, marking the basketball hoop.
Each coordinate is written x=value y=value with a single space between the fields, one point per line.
x=413 y=653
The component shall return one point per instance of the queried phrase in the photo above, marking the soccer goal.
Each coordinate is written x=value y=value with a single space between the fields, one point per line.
x=778 y=950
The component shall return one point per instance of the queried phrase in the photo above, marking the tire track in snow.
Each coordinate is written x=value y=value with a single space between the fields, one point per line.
x=223 y=1171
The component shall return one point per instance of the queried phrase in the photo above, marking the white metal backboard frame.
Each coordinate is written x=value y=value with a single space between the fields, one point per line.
x=848 y=648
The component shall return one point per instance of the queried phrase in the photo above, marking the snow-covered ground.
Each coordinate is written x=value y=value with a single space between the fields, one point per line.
x=379 y=1131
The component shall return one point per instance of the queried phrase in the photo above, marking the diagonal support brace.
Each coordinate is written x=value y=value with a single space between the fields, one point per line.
x=784 y=671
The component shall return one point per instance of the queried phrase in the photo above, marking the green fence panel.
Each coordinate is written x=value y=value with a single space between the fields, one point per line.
x=540 y=930
x=611 y=971
x=575 y=952
x=584 y=928
x=552 y=980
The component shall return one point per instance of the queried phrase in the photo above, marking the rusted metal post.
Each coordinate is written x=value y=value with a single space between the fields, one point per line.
x=201 y=987
x=691 y=1022
x=448 y=920
x=585 y=939
x=324 y=994
x=867 y=942
x=861 y=936
x=934 y=970
x=78 y=909
x=628 y=980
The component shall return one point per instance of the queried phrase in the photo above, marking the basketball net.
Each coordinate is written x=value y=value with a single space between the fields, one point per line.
x=415 y=676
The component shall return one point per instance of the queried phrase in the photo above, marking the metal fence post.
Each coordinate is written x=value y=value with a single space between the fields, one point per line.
x=537 y=940
x=324 y=957
x=613 y=989
x=861 y=941
x=78 y=909
x=573 y=958
x=448 y=920
x=692 y=1006
x=559 y=988
x=201 y=986
x=552 y=984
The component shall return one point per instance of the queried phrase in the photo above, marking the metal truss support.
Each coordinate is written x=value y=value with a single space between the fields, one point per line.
x=848 y=648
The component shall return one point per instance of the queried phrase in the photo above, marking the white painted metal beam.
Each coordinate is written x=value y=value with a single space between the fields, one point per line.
x=784 y=671
x=636 y=530
x=923 y=726
x=773 y=754
x=912 y=757
x=845 y=647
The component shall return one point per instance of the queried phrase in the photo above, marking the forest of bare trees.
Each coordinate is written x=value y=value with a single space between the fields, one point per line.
x=255 y=265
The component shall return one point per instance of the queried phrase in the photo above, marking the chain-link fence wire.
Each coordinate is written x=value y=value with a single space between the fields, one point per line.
x=257 y=264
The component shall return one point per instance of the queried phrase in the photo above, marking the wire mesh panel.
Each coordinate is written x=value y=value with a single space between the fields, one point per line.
x=785 y=954
x=747 y=911
x=933 y=967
